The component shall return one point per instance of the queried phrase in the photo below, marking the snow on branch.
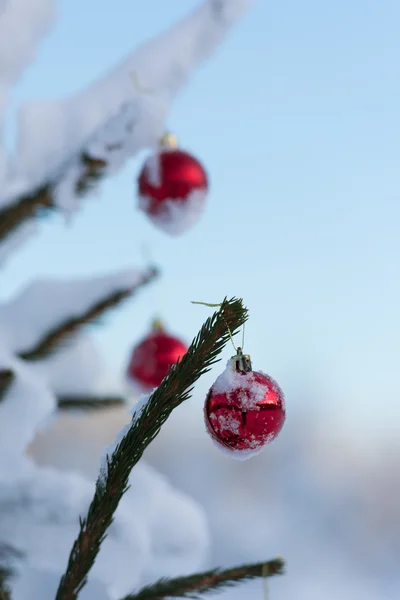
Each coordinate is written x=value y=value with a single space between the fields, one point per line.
x=22 y=24
x=39 y=319
x=148 y=418
x=92 y=134
x=194 y=586
x=24 y=408
x=79 y=370
x=54 y=339
x=42 y=200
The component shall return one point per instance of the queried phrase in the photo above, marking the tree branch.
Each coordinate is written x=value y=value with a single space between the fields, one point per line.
x=193 y=586
x=5 y=593
x=41 y=200
x=89 y=403
x=6 y=379
x=145 y=426
x=62 y=333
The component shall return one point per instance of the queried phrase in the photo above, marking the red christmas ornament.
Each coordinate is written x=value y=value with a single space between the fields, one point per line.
x=172 y=188
x=244 y=409
x=152 y=357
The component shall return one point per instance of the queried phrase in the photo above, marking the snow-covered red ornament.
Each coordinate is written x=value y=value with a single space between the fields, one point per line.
x=172 y=187
x=244 y=409
x=152 y=357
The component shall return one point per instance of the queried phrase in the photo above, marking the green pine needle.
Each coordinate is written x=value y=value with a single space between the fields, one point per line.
x=174 y=389
x=194 y=586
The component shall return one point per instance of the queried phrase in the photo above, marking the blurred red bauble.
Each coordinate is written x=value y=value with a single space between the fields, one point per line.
x=172 y=188
x=244 y=409
x=152 y=357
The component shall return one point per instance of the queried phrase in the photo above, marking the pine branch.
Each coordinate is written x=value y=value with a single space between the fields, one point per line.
x=193 y=586
x=6 y=379
x=145 y=426
x=41 y=200
x=62 y=333
x=5 y=593
x=89 y=403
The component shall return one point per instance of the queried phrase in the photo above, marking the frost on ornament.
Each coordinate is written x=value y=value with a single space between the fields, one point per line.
x=175 y=216
x=244 y=410
x=172 y=189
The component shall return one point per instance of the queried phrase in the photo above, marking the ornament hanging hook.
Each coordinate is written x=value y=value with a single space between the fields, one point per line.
x=229 y=331
x=227 y=326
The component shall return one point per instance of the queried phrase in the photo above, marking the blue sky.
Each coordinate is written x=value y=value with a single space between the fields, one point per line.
x=297 y=121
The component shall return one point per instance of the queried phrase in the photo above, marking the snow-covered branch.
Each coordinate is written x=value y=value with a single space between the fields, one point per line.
x=33 y=331
x=93 y=134
x=42 y=200
x=22 y=25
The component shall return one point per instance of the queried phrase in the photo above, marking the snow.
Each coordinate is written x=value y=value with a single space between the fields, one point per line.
x=22 y=24
x=135 y=411
x=152 y=168
x=39 y=507
x=43 y=584
x=79 y=369
x=23 y=410
x=113 y=111
x=38 y=516
x=134 y=388
x=157 y=529
x=25 y=319
x=176 y=216
x=231 y=380
x=64 y=194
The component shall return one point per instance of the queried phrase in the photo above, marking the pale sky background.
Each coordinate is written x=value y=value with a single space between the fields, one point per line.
x=297 y=120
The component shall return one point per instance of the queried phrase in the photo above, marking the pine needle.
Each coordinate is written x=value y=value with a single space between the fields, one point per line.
x=194 y=586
